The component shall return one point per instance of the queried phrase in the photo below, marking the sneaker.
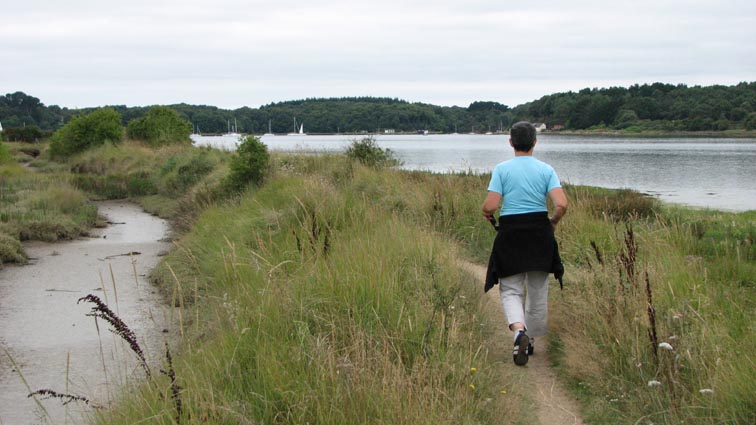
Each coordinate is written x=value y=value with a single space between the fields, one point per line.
x=520 y=352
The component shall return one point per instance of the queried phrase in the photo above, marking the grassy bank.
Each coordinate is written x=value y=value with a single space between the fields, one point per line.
x=319 y=298
x=333 y=268
x=681 y=277
x=331 y=294
x=37 y=206
x=47 y=200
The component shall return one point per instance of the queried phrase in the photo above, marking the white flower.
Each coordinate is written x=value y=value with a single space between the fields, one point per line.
x=654 y=383
x=665 y=346
x=706 y=391
x=672 y=337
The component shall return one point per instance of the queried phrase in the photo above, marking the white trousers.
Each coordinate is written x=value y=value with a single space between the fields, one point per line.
x=512 y=290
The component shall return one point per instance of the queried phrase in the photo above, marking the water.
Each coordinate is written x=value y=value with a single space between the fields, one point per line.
x=701 y=172
x=49 y=335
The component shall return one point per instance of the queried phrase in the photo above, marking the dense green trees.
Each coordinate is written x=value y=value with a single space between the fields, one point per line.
x=655 y=106
x=160 y=126
x=658 y=106
x=86 y=131
x=19 y=110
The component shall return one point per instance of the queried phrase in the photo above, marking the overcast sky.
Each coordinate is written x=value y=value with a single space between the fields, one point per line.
x=233 y=53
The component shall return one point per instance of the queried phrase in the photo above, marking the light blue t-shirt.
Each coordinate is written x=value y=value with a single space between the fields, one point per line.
x=524 y=183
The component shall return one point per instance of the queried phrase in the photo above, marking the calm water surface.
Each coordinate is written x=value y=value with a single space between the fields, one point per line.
x=703 y=172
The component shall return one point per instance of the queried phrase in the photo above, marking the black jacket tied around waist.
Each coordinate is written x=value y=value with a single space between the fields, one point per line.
x=524 y=243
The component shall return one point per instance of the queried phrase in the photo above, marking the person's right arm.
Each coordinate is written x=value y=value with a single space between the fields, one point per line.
x=559 y=199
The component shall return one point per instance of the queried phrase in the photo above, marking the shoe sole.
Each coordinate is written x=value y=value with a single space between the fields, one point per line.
x=521 y=354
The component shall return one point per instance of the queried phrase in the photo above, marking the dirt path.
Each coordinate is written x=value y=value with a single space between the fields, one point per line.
x=554 y=405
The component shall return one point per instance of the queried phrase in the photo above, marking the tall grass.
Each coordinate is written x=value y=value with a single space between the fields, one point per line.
x=36 y=206
x=699 y=266
x=312 y=300
x=162 y=176
x=331 y=295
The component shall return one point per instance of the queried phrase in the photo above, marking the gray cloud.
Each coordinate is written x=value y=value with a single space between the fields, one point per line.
x=234 y=53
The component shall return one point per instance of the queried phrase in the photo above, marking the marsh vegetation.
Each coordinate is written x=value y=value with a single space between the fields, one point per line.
x=330 y=292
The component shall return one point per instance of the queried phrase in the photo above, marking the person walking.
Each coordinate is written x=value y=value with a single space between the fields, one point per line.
x=525 y=250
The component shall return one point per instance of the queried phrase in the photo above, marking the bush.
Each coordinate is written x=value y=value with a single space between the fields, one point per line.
x=248 y=165
x=160 y=126
x=29 y=133
x=84 y=132
x=11 y=250
x=367 y=151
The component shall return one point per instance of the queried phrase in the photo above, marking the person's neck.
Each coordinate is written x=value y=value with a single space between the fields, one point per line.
x=520 y=153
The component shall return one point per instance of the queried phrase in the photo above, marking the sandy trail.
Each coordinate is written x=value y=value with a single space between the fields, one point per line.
x=554 y=406
x=50 y=338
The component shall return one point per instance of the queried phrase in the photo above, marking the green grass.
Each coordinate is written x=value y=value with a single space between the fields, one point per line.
x=50 y=200
x=700 y=268
x=39 y=207
x=332 y=268
x=311 y=301
x=326 y=295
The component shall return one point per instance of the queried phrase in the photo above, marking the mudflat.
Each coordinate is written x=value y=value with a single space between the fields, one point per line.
x=53 y=342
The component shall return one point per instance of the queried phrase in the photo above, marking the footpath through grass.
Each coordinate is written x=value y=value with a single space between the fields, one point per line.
x=331 y=294
x=319 y=298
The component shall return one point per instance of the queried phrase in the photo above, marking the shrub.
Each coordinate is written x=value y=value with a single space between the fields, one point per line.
x=11 y=250
x=28 y=133
x=248 y=165
x=84 y=132
x=160 y=126
x=367 y=151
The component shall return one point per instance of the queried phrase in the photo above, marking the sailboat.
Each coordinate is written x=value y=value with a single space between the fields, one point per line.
x=298 y=131
x=269 y=133
x=232 y=130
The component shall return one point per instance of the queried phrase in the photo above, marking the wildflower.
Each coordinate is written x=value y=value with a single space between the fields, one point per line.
x=503 y=392
x=472 y=386
x=473 y=369
x=665 y=346
x=654 y=383
x=706 y=391
x=677 y=316
x=672 y=337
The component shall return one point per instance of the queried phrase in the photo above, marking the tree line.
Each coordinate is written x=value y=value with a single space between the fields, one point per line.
x=663 y=107
x=658 y=106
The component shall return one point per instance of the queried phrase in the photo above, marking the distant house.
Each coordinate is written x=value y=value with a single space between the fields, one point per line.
x=389 y=131
x=557 y=127
x=539 y=126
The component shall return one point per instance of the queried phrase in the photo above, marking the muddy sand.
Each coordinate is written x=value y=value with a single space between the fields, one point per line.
x=53 y=342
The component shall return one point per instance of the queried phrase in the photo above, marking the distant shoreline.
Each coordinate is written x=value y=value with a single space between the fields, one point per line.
x=735 y=134
x=727 y=134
